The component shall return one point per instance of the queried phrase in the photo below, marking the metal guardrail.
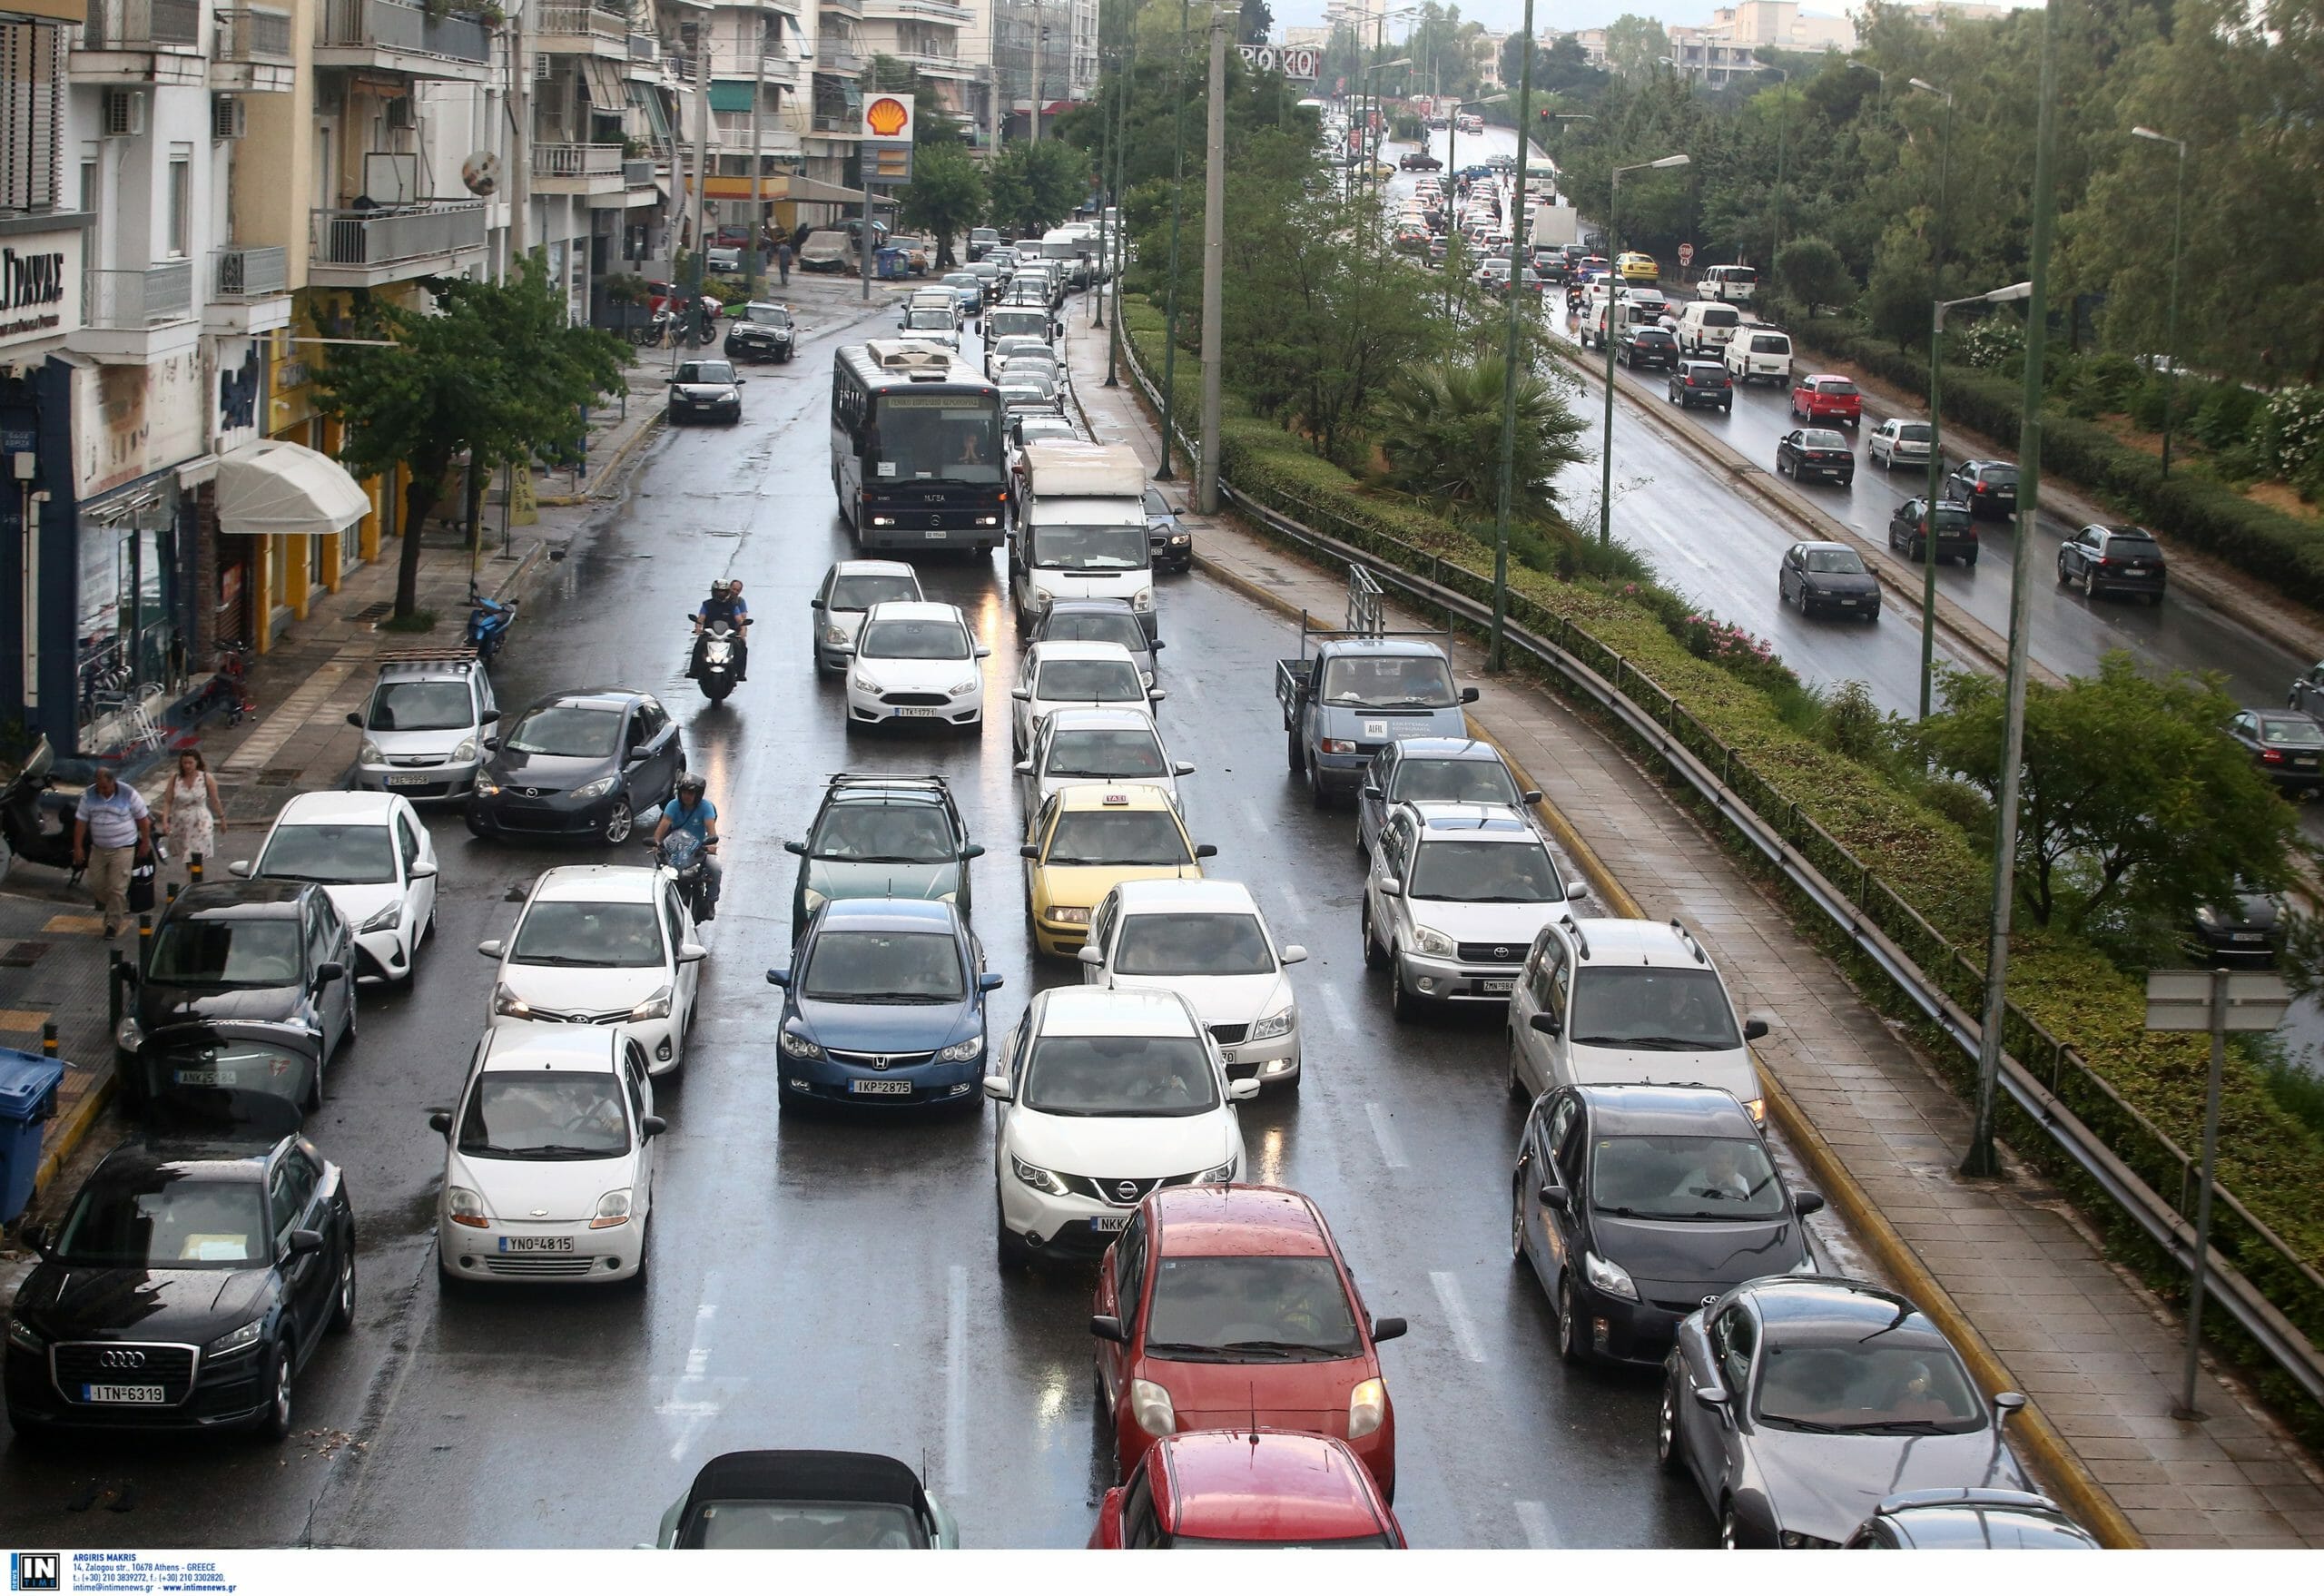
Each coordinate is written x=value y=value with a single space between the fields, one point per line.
x=130 y=300
x=139 y=25
x=252 y=273
x=1880 y=923
x=254 y=34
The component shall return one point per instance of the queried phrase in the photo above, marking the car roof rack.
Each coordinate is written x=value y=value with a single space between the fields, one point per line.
x=860 y=779
x=429 y=656
x=1580 y=942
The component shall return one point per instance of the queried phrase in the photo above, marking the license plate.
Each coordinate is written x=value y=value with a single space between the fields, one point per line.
x=2305 y=764
x=147 y=1394
x=934 y=533
x=918 y=713
x=420 y=780
x=2248 y=937
x=1496 y=986
x=2136 y=570
x=1229 y=1055
x=880 y=1088
x=1109 y=1224
x=535 y=1244
x=1847 y=604
x=202 y=1077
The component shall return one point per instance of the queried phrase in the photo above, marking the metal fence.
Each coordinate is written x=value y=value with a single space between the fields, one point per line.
x=386 y=236
x=2137 y=1164
x=583 y=21
x=389 y=25
x=131 y=24
x=576 y=160
x=128 y=300
x=253 y=33
x=251 y=273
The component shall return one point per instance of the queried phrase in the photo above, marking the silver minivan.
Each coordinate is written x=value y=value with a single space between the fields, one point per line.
x=424 y=725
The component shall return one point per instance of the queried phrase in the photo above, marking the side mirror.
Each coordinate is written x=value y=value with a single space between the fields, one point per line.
x=991 y=982
x=1294 y=954
x=1387 y=1329
x=1156 y=694
x=328 y=971
x=1391 y=887
x=423 y=870
x=1804 y=1203
x=1242 y=1092
x=440 y=1122
x=1024 y=767
x=692 y=953
x=984 y=651
x=814 y=604
x=1531 y=794
x=778 y=978
x=798 y=848
x=241 y=867
x=996 y=1087
x=486 y=719
x=1106 y=1327
x=2006 y=1403
x=1155 y=647
x=974 y=850
x=1555 y=1196
x=1754 y=1028
x=1712 y=1395
x=303 y=1242
x=1021 y=694
x=492 y=947
x=35 y=1236
x=1205 y=850
x=1372 y=790
x=1545 y=1022
x=355 y=719
x=1576 y=891
x=1028 y=852
x=491 y=744
x=1092 y=956
x=652 y=1126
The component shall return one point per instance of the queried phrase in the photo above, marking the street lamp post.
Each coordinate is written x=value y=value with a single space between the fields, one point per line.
x=1614 y=300
x=1371 y=159
x=1178 y=195
x=1867 y=66
x=2015 y=290
x=2170 y=319
x=1115 y=237
x=1493 y=652
x=1782 y=127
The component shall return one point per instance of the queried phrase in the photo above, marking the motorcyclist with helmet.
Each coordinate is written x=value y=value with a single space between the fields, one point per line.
x=725 y=604
x=689 y=810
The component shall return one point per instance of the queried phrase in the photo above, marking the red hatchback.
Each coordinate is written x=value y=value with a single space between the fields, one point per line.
x=1247 y=1490
x=1221 y=1306
x=1825 y=398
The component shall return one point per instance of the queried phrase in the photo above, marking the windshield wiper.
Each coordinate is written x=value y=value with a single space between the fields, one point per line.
x=1651 y=1044
x=1905 y=1427
x=1810 y=1425
x=1506 y=897
x=567 y=962
x=1188 y=1350
x=1286 y=1346
x=555 y=1149
x=1410 y=704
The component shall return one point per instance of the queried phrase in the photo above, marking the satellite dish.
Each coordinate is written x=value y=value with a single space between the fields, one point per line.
x=480 y=172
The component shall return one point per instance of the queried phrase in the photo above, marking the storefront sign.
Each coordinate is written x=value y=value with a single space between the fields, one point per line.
x=129 y=421
x=40 y=286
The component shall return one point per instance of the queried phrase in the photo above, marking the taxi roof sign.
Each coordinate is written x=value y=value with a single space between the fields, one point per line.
x=1117 y=798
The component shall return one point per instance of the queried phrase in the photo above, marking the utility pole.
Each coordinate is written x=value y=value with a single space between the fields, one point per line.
x=992 y=99
x=1178 y=203
x=1036 y=95
x=1214 y=267
x=701 y=164
x=758 y=145
x=1121 y=156
x=520 y=144
x=1494 y=649
x=1982 y=1158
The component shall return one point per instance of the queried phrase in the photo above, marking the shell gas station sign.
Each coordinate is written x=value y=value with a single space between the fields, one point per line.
x=888 y=118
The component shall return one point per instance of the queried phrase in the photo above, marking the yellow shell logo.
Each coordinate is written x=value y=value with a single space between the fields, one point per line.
x=886 y=117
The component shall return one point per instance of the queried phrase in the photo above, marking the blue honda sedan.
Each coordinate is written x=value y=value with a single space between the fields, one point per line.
x=886 y=1007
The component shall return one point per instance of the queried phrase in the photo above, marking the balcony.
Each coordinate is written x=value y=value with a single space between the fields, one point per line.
x=139 y=42
x=841 y=7
x=250 y=51
x=250 y=290
x=576 y=169
x=364 y=249
x=581 y=30
x=133 y=318
x=388 y=36
x=936 y=11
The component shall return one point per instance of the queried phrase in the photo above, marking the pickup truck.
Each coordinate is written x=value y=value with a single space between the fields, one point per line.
x=1349 y=694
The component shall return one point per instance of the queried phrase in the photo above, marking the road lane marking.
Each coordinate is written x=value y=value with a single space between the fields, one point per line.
x=689 y=1405
x=1251 y=814
x=1456 y=1315
x=1297 y=900
x=1533 y=1518
x=956 y=1386
x=1391 y=1151
x=1335 y=1010
x=1190 y=687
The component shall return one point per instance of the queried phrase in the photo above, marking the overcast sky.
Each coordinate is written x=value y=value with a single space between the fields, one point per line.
x=1502 y=16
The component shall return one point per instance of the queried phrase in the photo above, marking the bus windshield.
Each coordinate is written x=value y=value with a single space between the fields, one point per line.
x=934 y=436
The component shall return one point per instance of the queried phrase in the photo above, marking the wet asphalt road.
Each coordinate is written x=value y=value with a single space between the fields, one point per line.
x=831 y=1282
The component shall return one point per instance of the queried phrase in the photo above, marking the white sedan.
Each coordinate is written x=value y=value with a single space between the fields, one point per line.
x=1107 y=746
x=603 y=945
x=916 y=662
x=548 y=1164
x=1105 y=1096
x=850 y=589
x=1206 y=941
x=1093 y=675
x=370 y=852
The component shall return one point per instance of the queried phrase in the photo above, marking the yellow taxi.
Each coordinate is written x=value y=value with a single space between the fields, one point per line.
x=1086 y=839
x=1637 y=268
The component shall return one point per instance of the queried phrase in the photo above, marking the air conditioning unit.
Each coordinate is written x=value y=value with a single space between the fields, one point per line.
x=229 y=116
x=400 y=115
x=123 y=114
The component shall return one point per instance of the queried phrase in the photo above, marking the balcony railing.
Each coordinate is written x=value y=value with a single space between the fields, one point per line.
x=940 y=11
x=842 y=7
x=140 y=25
x=569 y=21
x=253 y=35
x=637 y=174
x=123 y=301
x=644 y=47
x=386 y=237
x=389 y=25
x=253 y=273
x=575 y=160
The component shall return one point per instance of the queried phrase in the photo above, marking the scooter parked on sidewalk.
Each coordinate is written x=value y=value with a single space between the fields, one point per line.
x=489 y=622
x=716 y=673
x=33 y=830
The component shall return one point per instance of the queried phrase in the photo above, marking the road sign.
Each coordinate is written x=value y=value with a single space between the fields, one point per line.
x=888 y=118
x=1296 y=61
x=1686 y=254
x=2180 y=999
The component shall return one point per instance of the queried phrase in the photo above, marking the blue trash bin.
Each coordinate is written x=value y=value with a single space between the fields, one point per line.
x=27 y=1100
x=889 y=264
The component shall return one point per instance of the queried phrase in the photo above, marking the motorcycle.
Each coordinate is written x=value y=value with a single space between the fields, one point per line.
x=489 y=622
x=717 y=672
x=35 y=831
x=682 y=855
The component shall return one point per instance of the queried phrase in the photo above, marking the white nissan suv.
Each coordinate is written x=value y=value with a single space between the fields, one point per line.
x=1455 y=895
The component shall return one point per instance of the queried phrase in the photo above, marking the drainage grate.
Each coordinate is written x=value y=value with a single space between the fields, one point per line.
x=373 y=612
x=22 y=955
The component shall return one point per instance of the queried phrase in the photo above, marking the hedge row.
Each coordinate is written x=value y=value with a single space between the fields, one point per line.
x=2280 y=550
x=2063 y=984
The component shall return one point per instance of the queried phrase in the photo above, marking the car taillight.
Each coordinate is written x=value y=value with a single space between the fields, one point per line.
x=1981 y=488
x=2270 y=756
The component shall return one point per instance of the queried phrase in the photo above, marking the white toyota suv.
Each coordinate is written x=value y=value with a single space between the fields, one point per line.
x=1626 y=1002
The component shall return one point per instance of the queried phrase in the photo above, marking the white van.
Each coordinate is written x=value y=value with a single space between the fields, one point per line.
x=1732 y=285
x=1758 y=353
x=1706 y=326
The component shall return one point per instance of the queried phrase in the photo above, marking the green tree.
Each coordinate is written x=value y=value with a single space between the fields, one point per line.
x=1634 y=45
x=494 y=373
x=1256 y=23
x=2134 y=811
x=947 y=196
x=1440 y=431
x=1812 y=273
x=1031 y=187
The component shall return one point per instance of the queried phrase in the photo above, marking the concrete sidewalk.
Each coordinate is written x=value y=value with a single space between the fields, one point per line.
x=2098 y=1353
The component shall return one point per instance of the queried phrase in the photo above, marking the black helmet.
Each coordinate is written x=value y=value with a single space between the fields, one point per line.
x=690 y=784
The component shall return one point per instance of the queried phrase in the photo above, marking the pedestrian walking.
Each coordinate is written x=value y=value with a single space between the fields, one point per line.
x=111 y=831
x=782 y=260
x=192 y=811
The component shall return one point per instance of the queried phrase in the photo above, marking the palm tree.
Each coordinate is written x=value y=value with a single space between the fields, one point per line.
x=1440 y=426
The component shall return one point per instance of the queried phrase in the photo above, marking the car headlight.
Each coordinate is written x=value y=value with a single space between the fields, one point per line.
x=1336 y=746
x=1609 y=1277
x=959 y=688
x=23 y=1338
x=657 y=1007
x=464 y=751
x=795 y=1045
x=1038 y=1178
x=612 y=1209
x=367 y=753
x=960 y=1052
x=862 y=684
x=1067 y=916
x=385 y=919
x=812 y=899
x=1149 y=1405
x=597 y=789
x=463 y=1207
x=1179 y=539
x=1274 y=1024
x=1794 y=1540
x=1217 y=1174
x=1367 y=1408
x=487 y=788
x=505 y=1000
x=1143 y=599
x=235 y=1340
x=128 y=1034
x=1428 y=940
x=835 y=635
x=1758 y=1106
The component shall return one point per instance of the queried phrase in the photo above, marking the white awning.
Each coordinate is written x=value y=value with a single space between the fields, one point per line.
x=286 y=490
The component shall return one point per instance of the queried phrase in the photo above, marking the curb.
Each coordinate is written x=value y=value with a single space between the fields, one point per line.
x=76 y=1128
x=646 y=428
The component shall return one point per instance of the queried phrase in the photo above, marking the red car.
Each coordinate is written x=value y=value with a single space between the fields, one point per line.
x=1825 y=398
x=1247 y=1490
x=1227 y=1306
